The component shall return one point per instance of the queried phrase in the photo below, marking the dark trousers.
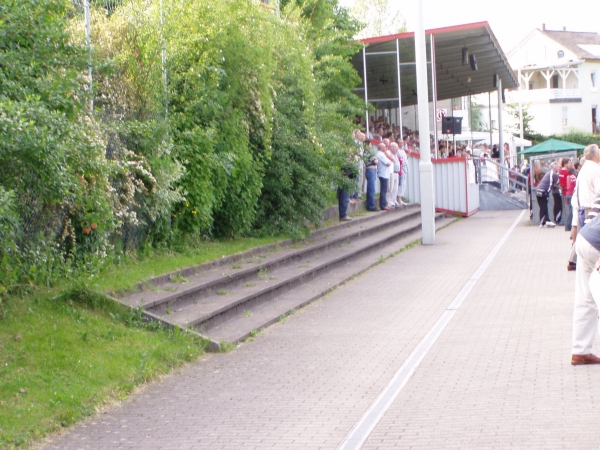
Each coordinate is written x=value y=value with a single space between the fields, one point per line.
x=343 y=200
x=557 y=206
x=568 y=212
x=371 y=176
x=383 y=188
x=543 y=202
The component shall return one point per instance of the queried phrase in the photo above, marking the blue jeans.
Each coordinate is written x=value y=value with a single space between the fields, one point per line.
x=383 y=188
x=371 y=179
x=343 y=199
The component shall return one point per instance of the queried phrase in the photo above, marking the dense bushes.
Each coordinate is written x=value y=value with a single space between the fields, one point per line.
x=210 y=118
x=52 y=163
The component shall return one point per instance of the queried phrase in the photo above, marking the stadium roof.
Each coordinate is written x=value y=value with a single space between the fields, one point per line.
x=459 y=50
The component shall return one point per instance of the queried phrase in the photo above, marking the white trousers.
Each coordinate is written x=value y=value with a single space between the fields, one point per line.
x=585 y=309
x=402 y=185
x=393 y=189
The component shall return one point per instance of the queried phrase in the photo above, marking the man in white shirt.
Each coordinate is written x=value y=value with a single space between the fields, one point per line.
x=588 y=185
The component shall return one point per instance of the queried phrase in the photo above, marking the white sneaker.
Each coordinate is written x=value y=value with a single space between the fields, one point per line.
x=550 y=224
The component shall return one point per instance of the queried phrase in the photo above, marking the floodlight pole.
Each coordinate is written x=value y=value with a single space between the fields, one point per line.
x=425 y=165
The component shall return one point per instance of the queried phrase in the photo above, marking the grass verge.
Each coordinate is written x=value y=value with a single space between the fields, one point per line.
x=64 y=357
x=134 y=269
x=67 y=352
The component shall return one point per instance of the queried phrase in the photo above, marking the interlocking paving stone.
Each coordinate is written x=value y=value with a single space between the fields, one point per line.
x=499 y=375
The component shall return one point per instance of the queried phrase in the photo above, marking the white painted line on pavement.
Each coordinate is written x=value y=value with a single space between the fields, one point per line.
x=357 y=436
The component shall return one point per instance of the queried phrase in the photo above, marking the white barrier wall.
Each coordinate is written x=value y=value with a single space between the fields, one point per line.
x=455 y=187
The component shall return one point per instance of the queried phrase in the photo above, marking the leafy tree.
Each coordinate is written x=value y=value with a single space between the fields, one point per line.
x=475 y=116
x=513 y=111
x=51 y=152
x=382 y=17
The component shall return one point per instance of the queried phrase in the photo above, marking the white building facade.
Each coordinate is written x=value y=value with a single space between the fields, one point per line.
x=559 y=77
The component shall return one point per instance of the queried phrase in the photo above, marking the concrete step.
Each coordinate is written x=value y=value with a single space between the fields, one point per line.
x=250 y=321
x=206 y=312
x=229 y=300
x=186 y=287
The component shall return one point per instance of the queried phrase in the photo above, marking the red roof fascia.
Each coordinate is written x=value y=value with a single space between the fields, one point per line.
x=410 y=34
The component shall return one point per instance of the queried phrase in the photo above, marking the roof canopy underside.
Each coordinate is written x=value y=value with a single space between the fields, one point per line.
x=454 y=79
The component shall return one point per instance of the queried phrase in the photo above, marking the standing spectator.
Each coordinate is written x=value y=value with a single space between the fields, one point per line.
x=359 y=139
x=495 y=152
x=403 y=175
x=507 y=155
x=571 y=183
x=588 y=187
x=542 y=193
x=565 y=164
x=383 y=164
x=395 y=177
x=585 y=309
x=348 y=179
x=371 y=176
x=556 y=197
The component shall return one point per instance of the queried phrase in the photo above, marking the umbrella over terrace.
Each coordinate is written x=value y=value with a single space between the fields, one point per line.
x=552 y=146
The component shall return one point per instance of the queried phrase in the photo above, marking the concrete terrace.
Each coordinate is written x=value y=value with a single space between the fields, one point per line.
x=498 y=375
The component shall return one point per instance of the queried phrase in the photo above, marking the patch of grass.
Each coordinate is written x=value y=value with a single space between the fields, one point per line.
x=248 y=313
x=65 y=356
x=178 y=278
x=250 y=284
x=255 y=332
x=236 y=266
x=149 y=287
x=223 y=292
x=262 y=273
x=138 y=268
x=226 y=346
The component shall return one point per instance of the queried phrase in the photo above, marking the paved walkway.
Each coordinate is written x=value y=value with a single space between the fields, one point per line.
x=498 y=376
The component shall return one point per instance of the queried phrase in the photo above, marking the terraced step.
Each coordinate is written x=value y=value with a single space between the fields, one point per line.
x=229 y=300
x=191 y=285
x=248 y=322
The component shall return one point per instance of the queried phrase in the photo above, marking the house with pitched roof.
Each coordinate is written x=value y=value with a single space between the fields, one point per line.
x=559 y=80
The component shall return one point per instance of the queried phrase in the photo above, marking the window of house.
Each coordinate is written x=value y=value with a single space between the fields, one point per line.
x=554 y=82
x=593 y=79
x=565 y=115
x=531 y=84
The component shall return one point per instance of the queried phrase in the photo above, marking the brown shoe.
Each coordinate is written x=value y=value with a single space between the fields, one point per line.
x=387 y=208
x=577 y=360
x=571 y=266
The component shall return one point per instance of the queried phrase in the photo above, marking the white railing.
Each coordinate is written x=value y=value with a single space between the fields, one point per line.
x=456 y=189
x=542 y=95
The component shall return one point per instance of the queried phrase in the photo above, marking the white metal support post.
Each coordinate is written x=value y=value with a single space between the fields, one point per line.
x=500 y=128
x=503 y=163
x=434 y=100
x=521 y=115
x=399 y=89
x=425 y=166
x=366 y=95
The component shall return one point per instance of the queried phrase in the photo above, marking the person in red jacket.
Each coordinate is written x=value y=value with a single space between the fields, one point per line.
x=559 y=200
